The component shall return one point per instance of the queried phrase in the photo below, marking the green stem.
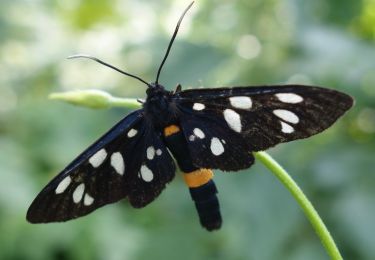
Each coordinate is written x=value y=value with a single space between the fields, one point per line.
x=100 y=99
x=124 y=102
x=304 y=203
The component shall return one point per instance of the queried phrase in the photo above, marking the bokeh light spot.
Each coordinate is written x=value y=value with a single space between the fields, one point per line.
x=248 y=47
x=366 y=120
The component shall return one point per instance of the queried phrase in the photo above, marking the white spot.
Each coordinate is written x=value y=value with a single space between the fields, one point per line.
x=191 y=138
x=241 y=102
x=150 y=152
x=289 y=98
x=97 y=159
x=198 y=106
x=132 y=132
x=117 y=163
x=286 y=115
x=88 y=200
x=199 y=133
x=285 y=128
x=146 y=173
x=63 y=185
x=217 y=147
x=158 y=152
x=78 y=193
x=223 y=141
x=233 y=119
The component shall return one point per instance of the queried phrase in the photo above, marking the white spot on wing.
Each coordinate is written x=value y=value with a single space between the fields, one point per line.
x=285 y=128
x=241 y=102
x=158 y=152
x=198 y=106
x=191 y=138
x=199 y=133
x=286 y=115
x=150 y=152
x=146 y=174
x=88 y=200
x=289 y=98
x=132 y=132
x=63 y=185
x=233 y=119
x=217 y=147
x=98 y=158
x=78 y=193
x=117 y=163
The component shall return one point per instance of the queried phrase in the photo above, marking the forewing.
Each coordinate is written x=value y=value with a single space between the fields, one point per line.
x=261 y=116
x=105 y=173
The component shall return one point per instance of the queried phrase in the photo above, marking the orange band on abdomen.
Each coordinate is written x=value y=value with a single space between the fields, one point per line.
x=198 y=177
x=170 y=130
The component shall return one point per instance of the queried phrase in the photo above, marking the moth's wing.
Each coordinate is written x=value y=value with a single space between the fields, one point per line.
x=156 y=169
x=212 y=144
x=260 y=116
x=113 y=168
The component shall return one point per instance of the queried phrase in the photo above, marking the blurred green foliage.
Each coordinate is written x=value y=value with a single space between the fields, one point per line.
x=222 y=43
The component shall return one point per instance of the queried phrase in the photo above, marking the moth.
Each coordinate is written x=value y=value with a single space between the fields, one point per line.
x=202 y=129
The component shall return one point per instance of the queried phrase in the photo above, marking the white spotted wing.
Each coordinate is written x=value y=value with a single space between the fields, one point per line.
x=130 y=161
x=212 y=144
x=237 y=121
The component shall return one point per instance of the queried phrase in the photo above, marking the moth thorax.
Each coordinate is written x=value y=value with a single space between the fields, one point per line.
x=158 y=106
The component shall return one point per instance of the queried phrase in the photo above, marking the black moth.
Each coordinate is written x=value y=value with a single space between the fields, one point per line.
x=203 y=129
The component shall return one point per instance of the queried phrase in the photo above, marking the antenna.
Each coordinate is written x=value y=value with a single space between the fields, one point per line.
x=108 y=65
x=171 y=41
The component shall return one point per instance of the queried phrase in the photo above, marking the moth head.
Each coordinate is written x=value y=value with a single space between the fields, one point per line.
x=155 y=87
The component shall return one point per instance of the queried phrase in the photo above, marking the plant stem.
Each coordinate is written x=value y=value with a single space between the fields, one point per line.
x=305 y=204
x=124 y=102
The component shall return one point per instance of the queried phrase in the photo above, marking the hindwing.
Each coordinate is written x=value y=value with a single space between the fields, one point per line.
x=212 y=144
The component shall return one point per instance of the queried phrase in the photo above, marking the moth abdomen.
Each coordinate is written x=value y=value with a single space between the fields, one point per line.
x=203 y=192
x=199 y=180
